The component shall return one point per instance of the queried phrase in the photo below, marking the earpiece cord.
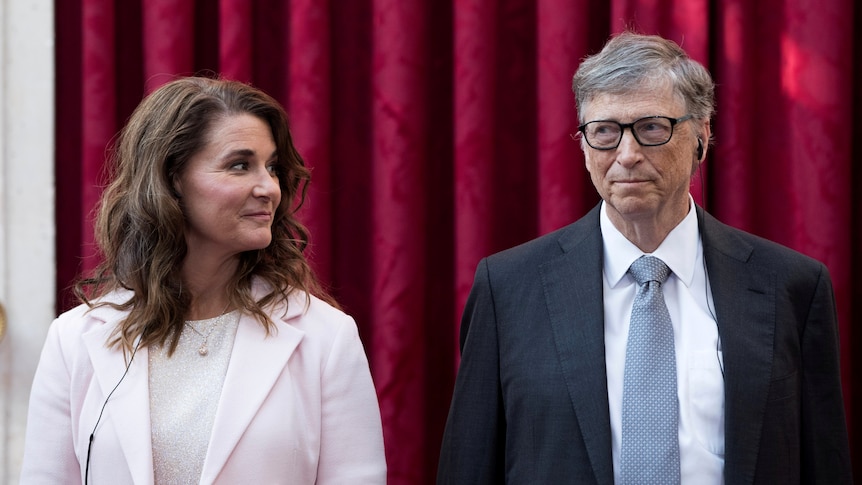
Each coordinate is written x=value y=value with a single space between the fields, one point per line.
x=706 y=274
x=102 y=411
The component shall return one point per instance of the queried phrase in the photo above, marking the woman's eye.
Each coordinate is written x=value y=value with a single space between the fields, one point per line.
x=239 y=166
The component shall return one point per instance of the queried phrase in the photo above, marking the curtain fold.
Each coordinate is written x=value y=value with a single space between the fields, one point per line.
x=307 y=88
x=398 y=228
x=564 y=186
x=237 y=32
x=97 y=113
x=168 y=35
x=439 y=132
x=474 y=135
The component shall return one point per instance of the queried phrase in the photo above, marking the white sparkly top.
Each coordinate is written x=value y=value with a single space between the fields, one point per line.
x=184 y=394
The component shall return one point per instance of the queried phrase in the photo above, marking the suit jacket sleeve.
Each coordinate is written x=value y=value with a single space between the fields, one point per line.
x=49 y=454
x=472 y=450
x=351 y=435
x=825 y=449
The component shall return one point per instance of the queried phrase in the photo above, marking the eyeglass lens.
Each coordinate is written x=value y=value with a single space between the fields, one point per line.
x=647 y=131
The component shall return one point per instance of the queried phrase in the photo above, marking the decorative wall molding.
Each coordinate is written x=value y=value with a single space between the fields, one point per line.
x=27 y=226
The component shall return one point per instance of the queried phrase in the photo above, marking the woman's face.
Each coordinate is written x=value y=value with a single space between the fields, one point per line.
x=229 y=190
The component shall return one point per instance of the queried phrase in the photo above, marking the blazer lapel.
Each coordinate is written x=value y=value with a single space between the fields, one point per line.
x=129 y=407
x=744 y=296
x=573 y=288
x=256 y=363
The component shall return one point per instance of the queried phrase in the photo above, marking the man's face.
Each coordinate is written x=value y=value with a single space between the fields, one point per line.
x=644 y=184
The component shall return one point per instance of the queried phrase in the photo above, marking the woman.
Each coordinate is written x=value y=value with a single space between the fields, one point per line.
x=201 y=353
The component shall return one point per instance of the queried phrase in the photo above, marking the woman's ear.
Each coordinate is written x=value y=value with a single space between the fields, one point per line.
x=177 y=188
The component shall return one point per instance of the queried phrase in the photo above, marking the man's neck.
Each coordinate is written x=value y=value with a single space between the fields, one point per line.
x=647 y=233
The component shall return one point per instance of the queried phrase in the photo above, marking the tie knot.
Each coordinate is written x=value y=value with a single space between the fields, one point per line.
x=649 y=268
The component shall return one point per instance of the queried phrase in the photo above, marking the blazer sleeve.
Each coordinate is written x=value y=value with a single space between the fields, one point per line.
x=825 y=449
x=49 y=454
x=351 y=449
x=472 y=450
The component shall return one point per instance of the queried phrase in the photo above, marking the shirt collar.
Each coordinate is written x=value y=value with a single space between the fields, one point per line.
x=678 y=250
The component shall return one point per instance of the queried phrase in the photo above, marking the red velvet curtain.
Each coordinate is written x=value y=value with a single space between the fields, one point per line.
x=438 y=132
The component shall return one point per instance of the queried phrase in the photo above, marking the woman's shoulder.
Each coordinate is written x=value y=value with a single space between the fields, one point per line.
x=319 y=323
x=299 y=305
x=306 y=310
x=99 y=311
x=69 y=333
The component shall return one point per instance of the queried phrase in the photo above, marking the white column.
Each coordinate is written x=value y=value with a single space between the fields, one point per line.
x=27 y=228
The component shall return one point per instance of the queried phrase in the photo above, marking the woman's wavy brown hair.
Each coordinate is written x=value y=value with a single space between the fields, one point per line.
x=140 y=224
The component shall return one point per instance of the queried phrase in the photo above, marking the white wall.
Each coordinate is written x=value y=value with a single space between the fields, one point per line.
x=27 y=229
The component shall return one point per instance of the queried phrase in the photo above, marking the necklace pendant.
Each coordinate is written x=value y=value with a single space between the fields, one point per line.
x=203 y=350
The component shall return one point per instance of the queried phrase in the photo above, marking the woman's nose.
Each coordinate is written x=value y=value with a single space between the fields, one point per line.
x=267 y=185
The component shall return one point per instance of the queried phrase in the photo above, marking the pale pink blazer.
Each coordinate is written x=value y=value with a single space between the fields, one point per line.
x=297 y=407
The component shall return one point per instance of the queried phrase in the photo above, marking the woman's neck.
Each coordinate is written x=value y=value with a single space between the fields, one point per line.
x=208 y=287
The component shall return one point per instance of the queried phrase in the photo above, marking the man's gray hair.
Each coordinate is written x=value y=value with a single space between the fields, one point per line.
x=631 y=61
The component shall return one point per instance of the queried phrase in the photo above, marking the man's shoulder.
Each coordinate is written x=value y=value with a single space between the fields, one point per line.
x=745 y=245
x=546 y=247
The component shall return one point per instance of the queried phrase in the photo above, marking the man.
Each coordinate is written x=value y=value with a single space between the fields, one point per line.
x=577 y=368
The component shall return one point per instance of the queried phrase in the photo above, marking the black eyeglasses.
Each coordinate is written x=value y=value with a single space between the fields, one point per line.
x=649 y=131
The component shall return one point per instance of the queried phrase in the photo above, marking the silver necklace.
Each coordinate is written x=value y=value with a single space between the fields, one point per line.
x=204 y=349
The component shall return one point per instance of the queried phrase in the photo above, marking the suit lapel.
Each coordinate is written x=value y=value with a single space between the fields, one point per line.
x=129 y=407
x=256 y=363
x=573 y=289
x=744 y=296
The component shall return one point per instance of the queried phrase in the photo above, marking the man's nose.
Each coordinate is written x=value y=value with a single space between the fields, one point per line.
x=629 y=150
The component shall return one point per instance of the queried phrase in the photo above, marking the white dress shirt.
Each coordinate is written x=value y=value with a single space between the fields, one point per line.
x=700 y=378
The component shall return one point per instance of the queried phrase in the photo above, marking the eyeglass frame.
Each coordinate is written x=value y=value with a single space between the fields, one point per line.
x=630 y=126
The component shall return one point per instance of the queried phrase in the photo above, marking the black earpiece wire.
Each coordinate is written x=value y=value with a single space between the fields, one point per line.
x=706 y=273
x=102 y=411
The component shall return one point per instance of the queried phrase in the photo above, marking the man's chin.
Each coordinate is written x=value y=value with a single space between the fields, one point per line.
x=632 y=206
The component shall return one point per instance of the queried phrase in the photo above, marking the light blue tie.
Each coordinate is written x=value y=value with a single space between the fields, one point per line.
x=650 y=445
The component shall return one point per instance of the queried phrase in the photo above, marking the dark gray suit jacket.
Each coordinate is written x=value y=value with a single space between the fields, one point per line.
x=531 y=401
